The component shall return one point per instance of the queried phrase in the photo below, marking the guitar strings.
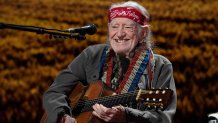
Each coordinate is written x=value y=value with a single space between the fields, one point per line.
x=108 y=98
x=86 y=105
x=105 y=98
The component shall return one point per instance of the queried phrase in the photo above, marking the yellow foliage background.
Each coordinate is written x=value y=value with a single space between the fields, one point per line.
x=184 y=31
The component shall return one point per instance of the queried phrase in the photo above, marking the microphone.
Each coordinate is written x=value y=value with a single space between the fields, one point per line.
x=88 y=29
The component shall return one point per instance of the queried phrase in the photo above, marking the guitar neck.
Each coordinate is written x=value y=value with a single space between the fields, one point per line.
x=108 y=101
x=152 y=99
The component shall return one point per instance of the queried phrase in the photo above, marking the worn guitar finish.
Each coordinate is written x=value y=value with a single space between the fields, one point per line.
x=83 y=98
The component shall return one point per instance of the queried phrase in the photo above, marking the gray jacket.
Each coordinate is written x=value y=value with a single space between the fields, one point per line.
x=85 y=68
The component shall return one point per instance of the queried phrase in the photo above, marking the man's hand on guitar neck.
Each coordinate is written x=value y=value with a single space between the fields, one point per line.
x=114 y=114
x=67 y=119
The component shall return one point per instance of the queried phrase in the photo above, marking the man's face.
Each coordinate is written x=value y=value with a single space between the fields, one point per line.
x=123 y=35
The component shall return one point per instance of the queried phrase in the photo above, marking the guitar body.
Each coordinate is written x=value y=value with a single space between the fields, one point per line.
x=80 y=92
x=94 y=91
x=82 y=98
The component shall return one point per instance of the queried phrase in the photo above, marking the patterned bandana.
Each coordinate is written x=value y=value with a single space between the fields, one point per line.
x=127 y=12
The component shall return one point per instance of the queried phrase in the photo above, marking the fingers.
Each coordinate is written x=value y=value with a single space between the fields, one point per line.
x=68 y=119
x=103 y=112
x=119 y=108
x=108 y=114
x=103 y=117
x=114 y=94
x=120 y=115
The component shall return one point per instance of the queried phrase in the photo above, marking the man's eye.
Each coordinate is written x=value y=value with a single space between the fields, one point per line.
x=128 y=27
x=114 y=26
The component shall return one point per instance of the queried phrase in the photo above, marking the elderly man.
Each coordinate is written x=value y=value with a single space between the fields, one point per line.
x=125 y=63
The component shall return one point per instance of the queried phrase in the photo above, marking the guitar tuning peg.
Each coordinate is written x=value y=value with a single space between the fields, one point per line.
x=160 y=106
x=147 y=99
x=154 y=99
x=160 y=100
x=149 y=107
x=155 y=107
x=163 y=92
x=150 y=92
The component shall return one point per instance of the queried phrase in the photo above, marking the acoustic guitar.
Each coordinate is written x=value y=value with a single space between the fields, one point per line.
x=82 y=99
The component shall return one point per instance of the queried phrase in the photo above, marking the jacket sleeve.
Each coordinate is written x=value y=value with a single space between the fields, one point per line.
x=163 y=78
x=83 y=68
x=55 y=99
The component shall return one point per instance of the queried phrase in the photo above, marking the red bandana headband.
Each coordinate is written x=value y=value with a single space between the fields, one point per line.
x=127 y=12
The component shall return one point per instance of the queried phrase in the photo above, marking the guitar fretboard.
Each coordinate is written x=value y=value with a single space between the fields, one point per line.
x=107 y=101
x=152 y=99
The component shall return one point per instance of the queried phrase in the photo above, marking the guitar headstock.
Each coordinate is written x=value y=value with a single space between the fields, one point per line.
x=155 y=98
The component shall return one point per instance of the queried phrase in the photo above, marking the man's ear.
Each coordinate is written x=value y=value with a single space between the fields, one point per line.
x=145 y=30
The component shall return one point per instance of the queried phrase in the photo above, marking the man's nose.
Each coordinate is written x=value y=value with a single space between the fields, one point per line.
x=121 y=32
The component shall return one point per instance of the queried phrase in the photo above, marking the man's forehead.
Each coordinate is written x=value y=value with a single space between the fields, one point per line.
x=123 y=21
